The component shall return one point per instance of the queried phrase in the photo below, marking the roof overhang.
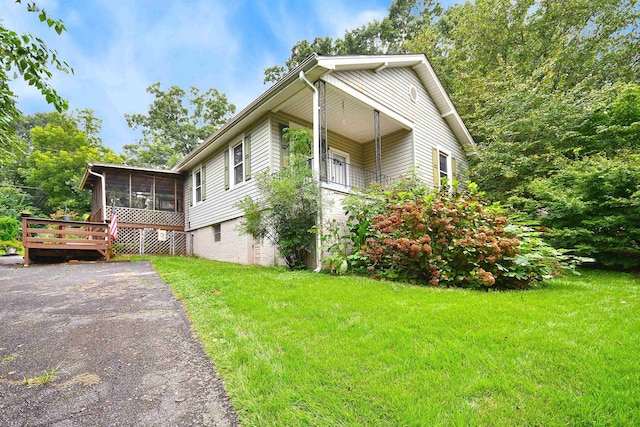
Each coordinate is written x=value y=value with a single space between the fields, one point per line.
x=275 y=95
x=315 y=67
x=101 y=167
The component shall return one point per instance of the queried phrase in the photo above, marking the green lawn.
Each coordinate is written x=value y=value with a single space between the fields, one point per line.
x=309 y=349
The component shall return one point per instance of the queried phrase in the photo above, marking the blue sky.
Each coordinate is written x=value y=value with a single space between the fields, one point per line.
x=119 y=48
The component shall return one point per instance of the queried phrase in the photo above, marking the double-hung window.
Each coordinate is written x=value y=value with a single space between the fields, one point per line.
x=443 y=163
x=444 y=167
x=238 y=164
x=197 y=185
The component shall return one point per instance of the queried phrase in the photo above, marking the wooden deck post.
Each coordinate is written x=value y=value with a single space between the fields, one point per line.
x=25 y=225
x=109 y=243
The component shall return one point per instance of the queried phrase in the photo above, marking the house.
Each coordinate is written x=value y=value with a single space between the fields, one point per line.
x=149 y=205
x=374 y=118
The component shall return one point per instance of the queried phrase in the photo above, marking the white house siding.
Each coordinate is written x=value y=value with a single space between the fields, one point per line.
x=220 y=204
x=397 y=154
x=390 y=87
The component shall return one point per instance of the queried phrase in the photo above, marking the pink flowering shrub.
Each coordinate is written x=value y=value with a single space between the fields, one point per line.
x=444 y=238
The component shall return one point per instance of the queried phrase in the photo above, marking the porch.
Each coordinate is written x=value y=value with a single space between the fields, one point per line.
x=357 y=141
x=149 y=204
x=142 y=196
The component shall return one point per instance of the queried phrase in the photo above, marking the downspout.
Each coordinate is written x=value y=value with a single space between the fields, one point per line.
x=104 y=193
x=316 y=165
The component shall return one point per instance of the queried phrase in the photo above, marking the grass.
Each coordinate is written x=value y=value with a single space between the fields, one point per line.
x=299 y=348
x=46 y=378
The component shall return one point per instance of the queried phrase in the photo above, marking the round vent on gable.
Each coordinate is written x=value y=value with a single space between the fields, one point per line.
x=413 y=93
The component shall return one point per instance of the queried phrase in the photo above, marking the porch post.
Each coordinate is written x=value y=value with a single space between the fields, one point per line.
x=378 y=144
x=321 y=90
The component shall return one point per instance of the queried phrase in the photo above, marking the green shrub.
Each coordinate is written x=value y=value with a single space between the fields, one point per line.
x=593 y=206
x=287 y=206
x=441 y=238
x=9 y=228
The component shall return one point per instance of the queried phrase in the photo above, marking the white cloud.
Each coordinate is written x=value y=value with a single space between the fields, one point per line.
x=344 y=17
x=134 y=44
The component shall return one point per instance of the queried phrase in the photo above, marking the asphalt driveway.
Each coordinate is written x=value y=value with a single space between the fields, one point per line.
x=118 y=346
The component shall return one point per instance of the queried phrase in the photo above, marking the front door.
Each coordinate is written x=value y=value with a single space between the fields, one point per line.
x=339 y=173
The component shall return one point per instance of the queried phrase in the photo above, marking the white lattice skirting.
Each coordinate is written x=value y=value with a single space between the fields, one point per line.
x=148 y=241
x=143 y=216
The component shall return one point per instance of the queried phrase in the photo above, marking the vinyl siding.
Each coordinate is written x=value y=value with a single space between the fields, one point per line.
x=397 y=154
x=390 y=87
x=219 y=205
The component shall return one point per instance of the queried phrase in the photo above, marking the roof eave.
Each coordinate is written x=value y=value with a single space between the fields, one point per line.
x=306 y=65
x=447 y=110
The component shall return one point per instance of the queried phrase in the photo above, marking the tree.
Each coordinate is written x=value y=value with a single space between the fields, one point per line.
x=489 y=47
x=541 y=85
x=172 y=129
x=30 y=57
x=593 y=205
x=14 y=201
x=288 y=204
x=58 y=155
x=405 y=18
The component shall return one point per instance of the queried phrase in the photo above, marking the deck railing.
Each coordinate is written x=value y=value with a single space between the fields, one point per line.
x=50 y=234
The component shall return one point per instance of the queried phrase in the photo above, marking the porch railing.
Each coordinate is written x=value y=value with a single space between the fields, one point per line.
x=348 y=175
x=343 y=174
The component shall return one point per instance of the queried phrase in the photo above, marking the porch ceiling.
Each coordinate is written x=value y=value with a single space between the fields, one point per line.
x=346 y=115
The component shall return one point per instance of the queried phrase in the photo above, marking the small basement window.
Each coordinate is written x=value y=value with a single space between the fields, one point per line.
x=217 y=235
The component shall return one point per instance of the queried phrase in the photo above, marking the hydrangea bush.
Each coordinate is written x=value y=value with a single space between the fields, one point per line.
x=446 y=237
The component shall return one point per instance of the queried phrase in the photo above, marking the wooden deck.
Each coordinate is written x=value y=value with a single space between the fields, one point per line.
x=49 y=238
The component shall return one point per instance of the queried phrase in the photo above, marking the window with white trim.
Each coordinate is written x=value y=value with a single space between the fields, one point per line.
x=238 y=163
x=444 y=167
x=217 y=235
x=197 y=185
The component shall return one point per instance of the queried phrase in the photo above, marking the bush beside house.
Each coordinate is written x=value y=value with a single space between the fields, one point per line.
x=446 y=237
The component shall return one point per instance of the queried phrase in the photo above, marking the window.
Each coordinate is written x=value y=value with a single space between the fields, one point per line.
x=217 y=235
x=197 y=185
x=444 y=167
x=443 y=162
x=338 y=167
x=165 y=193
x=118 y=189
x=238 y=164
x=141 y=192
